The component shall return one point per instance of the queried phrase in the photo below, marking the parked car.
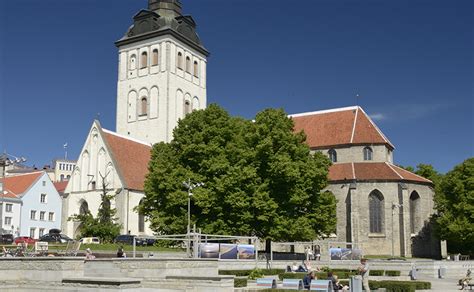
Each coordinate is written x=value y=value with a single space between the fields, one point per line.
x=7 y=239
x=25 y=239
x=90 y=240
x=55 y=238
x=128 y=239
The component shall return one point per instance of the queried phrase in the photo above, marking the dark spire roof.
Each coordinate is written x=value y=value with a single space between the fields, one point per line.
x=163 y=17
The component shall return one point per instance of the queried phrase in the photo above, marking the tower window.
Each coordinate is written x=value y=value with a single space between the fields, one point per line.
x=143 y=106
x=332 y=155
x=187 y=107
x=132 y=65
x=180 y=60
x=144 y=60
x=188 y=64
x=196 y=69
x=154 y=61
x=368 y=153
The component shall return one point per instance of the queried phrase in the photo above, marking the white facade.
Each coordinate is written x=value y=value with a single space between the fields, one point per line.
x=170 y=86
x=43 y=199
x=63 y=169
x=10 y=209
x=85 y=187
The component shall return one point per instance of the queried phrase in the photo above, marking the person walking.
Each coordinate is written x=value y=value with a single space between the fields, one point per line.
x=364 y=271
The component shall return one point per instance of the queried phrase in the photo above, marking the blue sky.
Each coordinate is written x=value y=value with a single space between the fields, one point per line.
x=411 y=62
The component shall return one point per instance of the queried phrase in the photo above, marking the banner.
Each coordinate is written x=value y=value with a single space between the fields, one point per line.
x=345 y=254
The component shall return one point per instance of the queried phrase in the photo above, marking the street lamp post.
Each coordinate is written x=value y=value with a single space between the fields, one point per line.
x=394 y=206
x=190 y=186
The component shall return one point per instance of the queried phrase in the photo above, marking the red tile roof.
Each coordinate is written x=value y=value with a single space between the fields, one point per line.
x=16 y=185
x=343 y=126
x=372 y=171
x=61 y=186
x=131 y=159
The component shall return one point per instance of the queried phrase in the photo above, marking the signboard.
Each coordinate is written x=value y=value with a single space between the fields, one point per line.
x=345 y=254
x=229 y=251
x=246 y=251
x=209 y=250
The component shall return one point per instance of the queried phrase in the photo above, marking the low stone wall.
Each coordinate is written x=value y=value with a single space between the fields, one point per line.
x=40 y=269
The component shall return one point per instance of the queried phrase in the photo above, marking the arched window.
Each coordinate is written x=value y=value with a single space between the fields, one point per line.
x=84 y=208
x=68 y=177
x=62 y=177
x=196 y=69
x=132 y=65
x=188 y=64
x=368 y=153
x=376 y=212
x=154 y=59
x=332 y=155
x=141 y=220
x=144 y=60
x=143 y=106
x=187 y=107
x=180 y=60
x=414 y=212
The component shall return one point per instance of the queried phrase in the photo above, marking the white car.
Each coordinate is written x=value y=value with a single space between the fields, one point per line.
x=90 y=240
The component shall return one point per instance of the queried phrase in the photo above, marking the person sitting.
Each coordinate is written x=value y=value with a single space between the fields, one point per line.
x=89 y=255
x=464 y=282
x=335 y=283
x=307 y=280
x=294 y=268
x=121 y=253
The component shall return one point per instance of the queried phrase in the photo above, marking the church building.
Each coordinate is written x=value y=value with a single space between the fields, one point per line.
x=162 y=77
x=382 y=208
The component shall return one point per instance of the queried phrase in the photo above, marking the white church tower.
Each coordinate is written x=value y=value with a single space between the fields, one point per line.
x=162 y=72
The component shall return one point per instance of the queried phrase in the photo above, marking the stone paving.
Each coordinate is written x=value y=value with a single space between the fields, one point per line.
x=445 y=285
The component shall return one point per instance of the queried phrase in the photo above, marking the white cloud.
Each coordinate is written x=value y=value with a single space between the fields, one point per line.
x=378 y=117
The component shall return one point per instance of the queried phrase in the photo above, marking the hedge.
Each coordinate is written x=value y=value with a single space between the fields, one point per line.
x=400 y=286
x=240 y=282
x=376 y=272
x=392 y=273
x=242 y=273
x=319 y=275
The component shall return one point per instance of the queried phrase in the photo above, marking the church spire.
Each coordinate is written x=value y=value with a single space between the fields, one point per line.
x=166 y=6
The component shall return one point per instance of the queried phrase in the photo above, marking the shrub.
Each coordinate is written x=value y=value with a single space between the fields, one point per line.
x=282 y=276
x=392 y=273
x=376 y=272
x=400 y=286
x=255 y=274
x=242 y=273
x=240 y=282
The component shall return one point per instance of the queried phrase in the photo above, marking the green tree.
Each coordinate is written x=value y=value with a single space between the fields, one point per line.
x=260 y=178
x=103 y=226
x=455 y=206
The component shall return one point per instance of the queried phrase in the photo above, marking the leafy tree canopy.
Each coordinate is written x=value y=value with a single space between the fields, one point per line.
x=455 y=205
x=260 y=178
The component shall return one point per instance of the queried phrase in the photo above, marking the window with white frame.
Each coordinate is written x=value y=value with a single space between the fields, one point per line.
x=9 y=208
x=44 y=183
x=33 y=232
x=42 y=215
x=33 y=215
x=43 y=198
x=51 y=216
x=41 y=232
x=8 y=220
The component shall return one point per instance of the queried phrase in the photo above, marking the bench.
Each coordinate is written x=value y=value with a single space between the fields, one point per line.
x=266 y=283
x=292 y=284
x=321 y=285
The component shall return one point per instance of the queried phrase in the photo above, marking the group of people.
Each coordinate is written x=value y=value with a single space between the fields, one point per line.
x=120 y=253
x=363 y=270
